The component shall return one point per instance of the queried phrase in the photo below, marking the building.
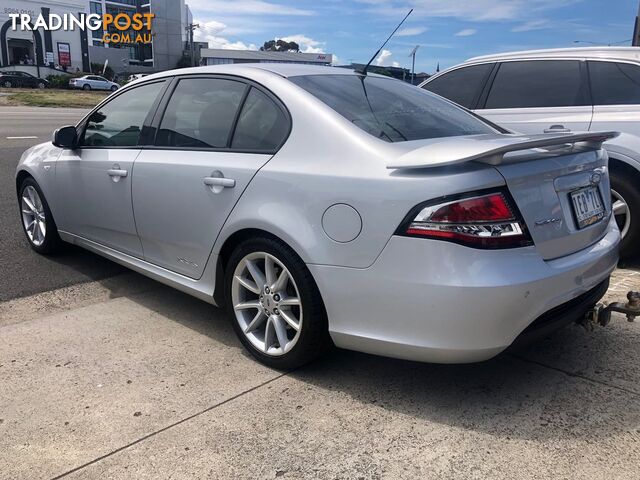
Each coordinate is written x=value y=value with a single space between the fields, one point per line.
x=40 y=51
x=42 y=48
x=169 y=35
x=218 y=56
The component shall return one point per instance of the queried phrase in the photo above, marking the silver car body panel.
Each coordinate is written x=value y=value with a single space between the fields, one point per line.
x=369 y=284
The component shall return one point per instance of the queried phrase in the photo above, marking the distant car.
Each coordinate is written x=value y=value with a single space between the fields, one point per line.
x=563 y=90
x=21 y=79
x=93 y=82
x=321 y=206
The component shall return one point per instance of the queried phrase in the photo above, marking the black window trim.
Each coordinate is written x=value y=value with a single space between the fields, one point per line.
x=249 y=84
x=479 y=93
x=82 y=124
x=587 y=61
x=586 y=82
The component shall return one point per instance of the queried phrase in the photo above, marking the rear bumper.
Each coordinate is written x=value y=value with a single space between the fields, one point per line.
x=440 y=302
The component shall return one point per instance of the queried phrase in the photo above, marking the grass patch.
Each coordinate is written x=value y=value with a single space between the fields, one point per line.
x=52 y=98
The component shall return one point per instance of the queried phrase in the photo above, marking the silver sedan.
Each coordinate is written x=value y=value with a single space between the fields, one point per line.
x=326 y=207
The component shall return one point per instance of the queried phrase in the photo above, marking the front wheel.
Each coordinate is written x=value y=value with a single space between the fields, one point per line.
x=626 y=209
x=274 y=304
x=7 y=84
x=86 y=87
x=41 y=85
x=113 y=88
x=37 y=221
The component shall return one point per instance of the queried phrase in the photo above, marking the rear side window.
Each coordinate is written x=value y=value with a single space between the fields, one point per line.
x=462 y=85
x=118 y=123
x=201 y=113
x=538 y=83
x=261 y=125
x=614 y=83
x=391 y=110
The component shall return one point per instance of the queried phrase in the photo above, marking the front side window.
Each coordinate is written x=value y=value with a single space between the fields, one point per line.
x=538 y=83
x=262 y=125
x=201 y=113
x=391 y=110
x=462 y=85
x=118 y=123
x=614 y=83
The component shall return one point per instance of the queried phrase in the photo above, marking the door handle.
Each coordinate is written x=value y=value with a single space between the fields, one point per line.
x=219 y=182
x=116 y=172
x=557 y=129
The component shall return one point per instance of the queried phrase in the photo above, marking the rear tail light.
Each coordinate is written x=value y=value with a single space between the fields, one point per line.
x=483 y=221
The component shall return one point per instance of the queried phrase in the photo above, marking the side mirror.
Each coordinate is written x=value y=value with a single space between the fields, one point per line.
x=65 y=137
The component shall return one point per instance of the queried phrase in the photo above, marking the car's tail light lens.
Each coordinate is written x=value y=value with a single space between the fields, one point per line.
x=483 y=221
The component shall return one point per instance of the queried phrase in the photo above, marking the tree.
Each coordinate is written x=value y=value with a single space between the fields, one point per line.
x=280 y=46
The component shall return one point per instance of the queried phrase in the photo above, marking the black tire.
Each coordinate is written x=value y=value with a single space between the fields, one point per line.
x=314 y=337
x=628 y=186
x=7 y=84
x=113 y=88
x=42 y=85
x=52 y=242
x=86 y=86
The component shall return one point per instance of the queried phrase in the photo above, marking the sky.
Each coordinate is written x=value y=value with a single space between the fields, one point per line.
x=448 y=31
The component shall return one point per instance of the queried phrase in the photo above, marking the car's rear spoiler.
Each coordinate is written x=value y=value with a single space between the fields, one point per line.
x=491 y=149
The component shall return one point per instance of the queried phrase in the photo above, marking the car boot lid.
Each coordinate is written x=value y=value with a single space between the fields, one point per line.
x=492 y=149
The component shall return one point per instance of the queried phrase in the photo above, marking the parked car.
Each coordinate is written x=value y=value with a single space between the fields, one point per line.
x=10 y=79
x=93 y=82
x=321 y=205
x=562 y=90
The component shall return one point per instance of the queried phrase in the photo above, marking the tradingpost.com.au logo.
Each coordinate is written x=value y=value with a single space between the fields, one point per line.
x=120 y=28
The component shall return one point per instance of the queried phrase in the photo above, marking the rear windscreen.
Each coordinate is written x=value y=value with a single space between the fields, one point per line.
x=391 y=110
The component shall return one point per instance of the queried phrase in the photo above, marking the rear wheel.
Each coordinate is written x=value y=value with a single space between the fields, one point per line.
x=37 y=221
x=7 y=84
x=625 y=197
x=274 y=304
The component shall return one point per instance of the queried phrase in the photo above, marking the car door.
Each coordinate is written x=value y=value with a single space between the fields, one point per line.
x=93 y=181
x=461 y=85
x=615 y=89
x=538 y=96
x=213 y=134
x=28 y=80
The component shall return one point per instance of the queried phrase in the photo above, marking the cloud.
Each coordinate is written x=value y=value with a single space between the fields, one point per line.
x=467 y=32
x=384 y=59
x=532 y=25
x=246 y=7
x=307 y=45
x=210 y=32
x=409 y=32
x=477 y=10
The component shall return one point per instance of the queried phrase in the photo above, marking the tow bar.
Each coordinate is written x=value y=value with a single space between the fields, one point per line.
x=601 y=315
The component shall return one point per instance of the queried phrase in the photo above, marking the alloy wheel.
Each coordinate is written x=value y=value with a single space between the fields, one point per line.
x=267 y=303
x=7 y=84
x=621 y=212
x=33 y=216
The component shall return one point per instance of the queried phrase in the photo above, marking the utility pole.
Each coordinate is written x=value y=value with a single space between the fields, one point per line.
x=636 y=30
x=191 y=28
x=413 y=62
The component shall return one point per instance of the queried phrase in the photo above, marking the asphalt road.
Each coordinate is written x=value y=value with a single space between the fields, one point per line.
x=22 y=271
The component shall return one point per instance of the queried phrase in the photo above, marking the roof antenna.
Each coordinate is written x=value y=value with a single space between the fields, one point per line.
x=363 y=70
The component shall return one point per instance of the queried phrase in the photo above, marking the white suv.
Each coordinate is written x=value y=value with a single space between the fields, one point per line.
x=561 y=90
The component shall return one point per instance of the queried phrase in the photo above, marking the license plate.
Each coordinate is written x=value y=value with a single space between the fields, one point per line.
x=587 y=206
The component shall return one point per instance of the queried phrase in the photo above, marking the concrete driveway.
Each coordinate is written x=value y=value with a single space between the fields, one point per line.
x=125 y=378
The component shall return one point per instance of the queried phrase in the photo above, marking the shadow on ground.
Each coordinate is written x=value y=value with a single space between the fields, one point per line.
x=560 y=387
